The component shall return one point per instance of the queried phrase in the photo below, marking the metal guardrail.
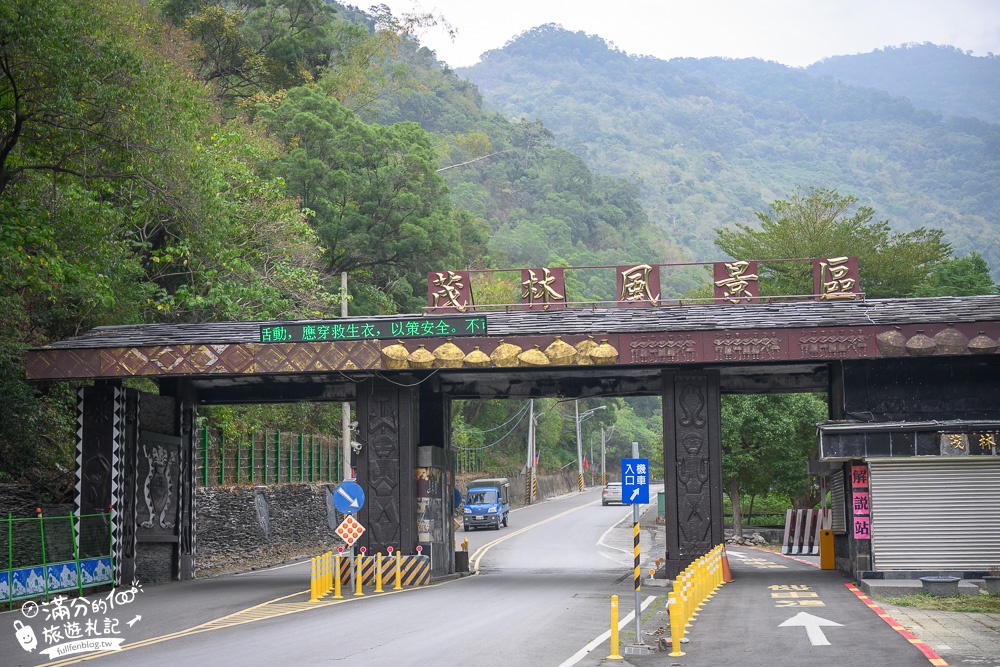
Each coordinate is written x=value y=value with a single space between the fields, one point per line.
x=43 y=555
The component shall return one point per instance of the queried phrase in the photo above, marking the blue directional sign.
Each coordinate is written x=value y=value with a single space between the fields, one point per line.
x=349 y=497
x=635 y=481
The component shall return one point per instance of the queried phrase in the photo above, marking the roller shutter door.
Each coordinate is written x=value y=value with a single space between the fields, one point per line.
x=838 y=506
x=935 y=514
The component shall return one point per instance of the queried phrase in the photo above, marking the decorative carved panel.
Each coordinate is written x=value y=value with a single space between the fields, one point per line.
x=692 y=465
x=385 y=466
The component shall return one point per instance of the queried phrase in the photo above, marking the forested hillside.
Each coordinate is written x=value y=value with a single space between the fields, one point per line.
x=940 y=78
x=713 y=140
x=182 y=160
x=186 y=160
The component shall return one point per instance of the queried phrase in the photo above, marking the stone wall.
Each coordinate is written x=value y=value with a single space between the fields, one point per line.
x=19 y=500
x=244 y=527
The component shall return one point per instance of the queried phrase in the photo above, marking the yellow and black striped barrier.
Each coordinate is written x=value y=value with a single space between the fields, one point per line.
x=377 y=571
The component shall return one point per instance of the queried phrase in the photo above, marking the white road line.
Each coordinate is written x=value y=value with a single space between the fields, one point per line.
x=582 y=653
x=268 y=569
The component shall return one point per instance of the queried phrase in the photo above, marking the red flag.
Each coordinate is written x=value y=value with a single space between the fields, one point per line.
x=586 y=463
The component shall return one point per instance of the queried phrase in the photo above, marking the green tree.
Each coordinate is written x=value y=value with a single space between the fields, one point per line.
x=119 y=208
x=958 y=276
x=68 y=92
x=251 y=49
x=817 y=223
x=767 y=441
x=380 y=209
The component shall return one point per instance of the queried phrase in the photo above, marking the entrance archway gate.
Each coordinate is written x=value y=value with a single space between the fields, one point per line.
x=880 y=362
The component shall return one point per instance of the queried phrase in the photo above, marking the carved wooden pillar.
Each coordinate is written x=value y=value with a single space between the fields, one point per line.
x=385 y=465
x=692 y=462
x=127 y=551
x=100 y=464
x=187 y=427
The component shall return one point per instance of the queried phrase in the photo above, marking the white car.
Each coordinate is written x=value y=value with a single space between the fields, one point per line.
x=612 y=493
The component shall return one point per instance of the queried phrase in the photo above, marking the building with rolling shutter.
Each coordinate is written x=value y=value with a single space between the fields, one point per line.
x=914 y=468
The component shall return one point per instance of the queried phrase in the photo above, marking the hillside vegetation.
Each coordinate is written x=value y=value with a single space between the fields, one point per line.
x=713 y=139
x=185 y=161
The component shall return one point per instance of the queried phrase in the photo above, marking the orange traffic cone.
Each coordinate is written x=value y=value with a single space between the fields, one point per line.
x=727 y=575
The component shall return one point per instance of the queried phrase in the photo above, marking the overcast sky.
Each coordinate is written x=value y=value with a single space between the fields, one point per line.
x=792 y=32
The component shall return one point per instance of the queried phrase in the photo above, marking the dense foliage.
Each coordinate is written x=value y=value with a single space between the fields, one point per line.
x=823 y=223
x=194 y=160
x=713 y=140
x=767 y=441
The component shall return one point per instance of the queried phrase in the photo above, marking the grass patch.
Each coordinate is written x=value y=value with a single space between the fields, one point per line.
x=983 y=602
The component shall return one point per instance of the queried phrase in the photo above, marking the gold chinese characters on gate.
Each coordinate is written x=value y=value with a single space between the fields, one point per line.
x=636 y=285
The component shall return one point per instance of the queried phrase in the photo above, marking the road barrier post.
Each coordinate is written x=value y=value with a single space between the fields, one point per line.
x=312 y=580
x=378 y=572
x=336 y=577
x=827 y=559
x=676 y=624
x=358 y=576
x=615 y=644
x=399 y=571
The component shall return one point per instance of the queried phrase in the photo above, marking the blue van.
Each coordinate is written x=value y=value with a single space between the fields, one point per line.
x=487 y=504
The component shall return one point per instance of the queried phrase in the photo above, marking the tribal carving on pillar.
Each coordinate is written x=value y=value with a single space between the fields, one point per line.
x=694 y=503
x=187 y=546
x=383 y=470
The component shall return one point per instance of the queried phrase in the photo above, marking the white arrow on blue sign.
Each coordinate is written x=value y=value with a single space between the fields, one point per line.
x=635 y=481
x=349 y=497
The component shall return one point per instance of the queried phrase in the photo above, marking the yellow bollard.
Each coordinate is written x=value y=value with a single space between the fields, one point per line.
x=329 y=562
x=615 y=644
x=312 y=579
x=357 y=576
x=399 y=571
x=676 y=627
x=336 y=577
x=378 y=572
x=329 y=572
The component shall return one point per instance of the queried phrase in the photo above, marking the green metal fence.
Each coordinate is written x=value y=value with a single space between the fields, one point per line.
x=271 y=457
x=42 y=555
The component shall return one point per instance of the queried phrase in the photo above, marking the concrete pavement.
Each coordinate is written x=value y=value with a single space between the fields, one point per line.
x=742 y=624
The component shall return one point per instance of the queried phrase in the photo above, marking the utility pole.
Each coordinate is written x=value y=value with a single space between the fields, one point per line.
x=579 y=446
x=530 y=481
x=604 y=472
x=345 y=422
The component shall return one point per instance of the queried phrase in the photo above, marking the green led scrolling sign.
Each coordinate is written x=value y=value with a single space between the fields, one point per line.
x=405 y=327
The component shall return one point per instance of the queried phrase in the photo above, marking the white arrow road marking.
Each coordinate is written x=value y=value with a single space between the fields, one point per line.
x=350 y=499
x=813 y=625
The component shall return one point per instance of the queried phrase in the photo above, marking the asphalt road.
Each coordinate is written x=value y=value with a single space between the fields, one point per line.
x=541 y=594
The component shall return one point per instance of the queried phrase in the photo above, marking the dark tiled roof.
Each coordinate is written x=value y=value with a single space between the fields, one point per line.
x=802 y=314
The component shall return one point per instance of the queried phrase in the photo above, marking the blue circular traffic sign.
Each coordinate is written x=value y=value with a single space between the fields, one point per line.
x=349 y=497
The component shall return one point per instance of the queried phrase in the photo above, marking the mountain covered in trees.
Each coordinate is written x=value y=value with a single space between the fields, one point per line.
x=711 y=140
x=193 y=160
x=943 y=79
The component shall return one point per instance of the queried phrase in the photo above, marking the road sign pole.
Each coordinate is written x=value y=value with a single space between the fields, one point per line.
x=636 y=552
